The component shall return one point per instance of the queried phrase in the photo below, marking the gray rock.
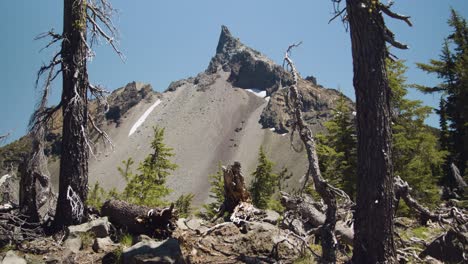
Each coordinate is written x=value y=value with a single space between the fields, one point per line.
x=140 y=238
x=99 y=227
x=451 y=247
x=181 y=224
x=150 y=251
x=73 y=243
x=196 y=224
x=272 y=217
x=104 y=244
x=12 y=258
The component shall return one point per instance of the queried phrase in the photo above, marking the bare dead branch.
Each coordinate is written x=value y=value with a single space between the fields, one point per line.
x=55 y=38
x=402 y=189
x=4 y=137
x=101 y=12
x=329 y=242
x=390 y=38
x=100 y=94
x=102 y=134
x=338 y=14
x=386 y=10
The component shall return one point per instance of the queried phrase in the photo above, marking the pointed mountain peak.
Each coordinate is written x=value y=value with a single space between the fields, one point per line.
x=226 y=41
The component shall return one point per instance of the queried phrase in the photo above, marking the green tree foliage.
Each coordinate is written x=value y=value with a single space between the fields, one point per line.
x=96 y=196
x=337 y=150
x=147 y=187
x=216 y=193
x=184 y=205
x=416 y=157
x=264 y=181
x=452 y=69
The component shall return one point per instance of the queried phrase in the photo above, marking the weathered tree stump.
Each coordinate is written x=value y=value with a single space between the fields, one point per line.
x=156 y=222
x=235 y=191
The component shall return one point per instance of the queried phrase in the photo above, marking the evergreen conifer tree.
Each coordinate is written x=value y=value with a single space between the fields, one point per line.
x=416 y=157
x=452 y=69
x=148 y=186
x=337 y=149
x=216 y=193
x=264 y=181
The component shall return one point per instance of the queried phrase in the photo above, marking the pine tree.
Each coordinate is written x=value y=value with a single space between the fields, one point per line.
x=337 y=149
x=216 y=193
x=183 y=205
x=264 y=181
x=452 y=69
x=148 y=186
x=416 y=157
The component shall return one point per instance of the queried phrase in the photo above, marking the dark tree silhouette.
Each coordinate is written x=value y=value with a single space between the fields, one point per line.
x=373 y=242
x=76 y=43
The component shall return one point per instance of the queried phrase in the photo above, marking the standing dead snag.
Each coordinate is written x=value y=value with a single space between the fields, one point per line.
x=235 y=191
x=157 y=222
x=326 y=192
x=79 y=16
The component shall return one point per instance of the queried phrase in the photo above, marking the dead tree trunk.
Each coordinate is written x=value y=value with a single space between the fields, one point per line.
x=155 y=222
x=76 y=145
x=321 y=186
x=73 y=179
x=374 y=213
x=35 y=181
x=235 y=191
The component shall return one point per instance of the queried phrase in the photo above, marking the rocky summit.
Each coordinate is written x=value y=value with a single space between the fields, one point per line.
x=222 y=115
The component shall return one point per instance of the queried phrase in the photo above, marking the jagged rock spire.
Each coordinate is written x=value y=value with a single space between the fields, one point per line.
x=226 y=40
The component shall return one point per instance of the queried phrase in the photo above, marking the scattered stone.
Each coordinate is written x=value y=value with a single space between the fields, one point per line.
x=73 y=243
x=12 y=258
x=99 y=227
x=251 y=242
x=150 y=251
x=272 y=217
x=451 y=247
x=181 y=224
x=196 y=224
x=103 y=244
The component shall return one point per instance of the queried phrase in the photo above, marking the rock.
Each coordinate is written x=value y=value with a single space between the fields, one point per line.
x=140 y=238
x=450 y=247
x=12 y=258
x=103 y=244
x=122 y=99
x=150 y=251
x=272 y=217
x=196 y=224
x=73 y=243
x=181 y=224
x=248 y=68
x=250 y=242
x=99 y=227
x=110 y=258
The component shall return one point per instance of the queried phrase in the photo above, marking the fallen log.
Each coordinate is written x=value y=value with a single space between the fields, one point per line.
x=135 y=219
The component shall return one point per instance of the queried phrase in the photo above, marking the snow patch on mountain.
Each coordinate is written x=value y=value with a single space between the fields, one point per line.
x=142 y=119
x=259 y=93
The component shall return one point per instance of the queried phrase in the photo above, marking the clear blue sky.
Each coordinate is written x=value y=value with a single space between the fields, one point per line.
x=168 y=40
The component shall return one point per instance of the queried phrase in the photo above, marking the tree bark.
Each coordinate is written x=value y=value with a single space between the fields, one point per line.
x=235 y=191
x=373 y=241
x=73 y=179
x=157 y=222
